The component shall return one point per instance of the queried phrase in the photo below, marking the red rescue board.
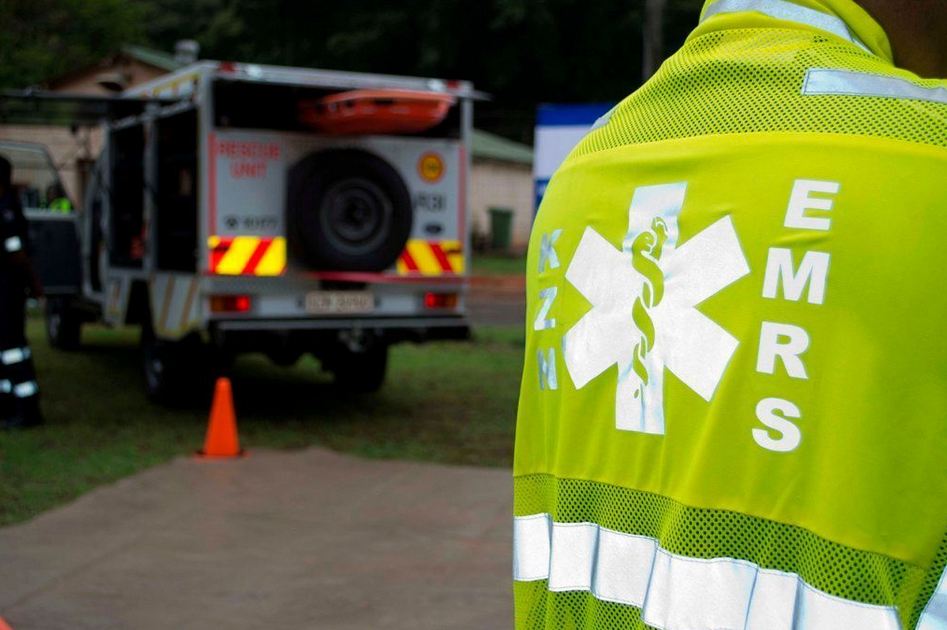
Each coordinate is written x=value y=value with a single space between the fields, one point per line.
x=361 y=112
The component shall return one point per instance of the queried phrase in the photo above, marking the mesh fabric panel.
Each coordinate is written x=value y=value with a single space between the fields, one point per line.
x=543 y=609
x=702 y=533
x=750 y=80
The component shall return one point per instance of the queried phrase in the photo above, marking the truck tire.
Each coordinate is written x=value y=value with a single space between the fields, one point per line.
x=347 y=210
x=360 y=371
x=176 y=373
x=63 y=324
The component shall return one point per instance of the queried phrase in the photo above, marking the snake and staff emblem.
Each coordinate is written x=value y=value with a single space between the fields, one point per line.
x=645 y=253
x=644 y=295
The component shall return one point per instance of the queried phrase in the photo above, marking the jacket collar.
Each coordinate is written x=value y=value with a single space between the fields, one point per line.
x=842 y=18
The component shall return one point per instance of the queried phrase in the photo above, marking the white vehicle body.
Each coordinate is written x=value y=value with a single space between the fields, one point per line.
x=188 y=225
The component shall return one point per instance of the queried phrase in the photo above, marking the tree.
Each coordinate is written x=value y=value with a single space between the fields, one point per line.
x=523 y=52
x=42 y=39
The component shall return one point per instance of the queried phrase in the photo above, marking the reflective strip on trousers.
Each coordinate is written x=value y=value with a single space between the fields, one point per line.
x=825 y=81
x=675 y=591
x=14 y=355
x=789 y=12
x=934 y=616
x=13 y=244
x=6 y=387
x=25 y=390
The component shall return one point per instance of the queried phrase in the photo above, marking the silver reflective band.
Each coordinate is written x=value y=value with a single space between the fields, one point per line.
x=13 y=244
x=14 y=355
x=6 y=387
x=602 y=120
x=25 y=390
x=822 y=81
x=782 y=10
x=675 y=591
x=934 y=616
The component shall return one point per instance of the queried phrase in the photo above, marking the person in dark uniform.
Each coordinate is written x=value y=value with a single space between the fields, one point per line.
x=19 y=392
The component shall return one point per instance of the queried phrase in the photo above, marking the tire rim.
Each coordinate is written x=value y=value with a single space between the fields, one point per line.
x=355 y=215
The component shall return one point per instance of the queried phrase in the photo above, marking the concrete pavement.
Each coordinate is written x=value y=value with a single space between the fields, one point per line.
x=497 y=300
x=306 y=539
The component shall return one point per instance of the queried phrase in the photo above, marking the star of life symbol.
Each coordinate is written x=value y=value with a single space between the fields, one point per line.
x=644 y=298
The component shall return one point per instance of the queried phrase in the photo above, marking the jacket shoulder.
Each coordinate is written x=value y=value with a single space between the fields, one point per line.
x=775 y=80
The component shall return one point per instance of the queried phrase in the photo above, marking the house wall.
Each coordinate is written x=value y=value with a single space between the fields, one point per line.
x=70 y=153
x=73 y=153
x=502 y=185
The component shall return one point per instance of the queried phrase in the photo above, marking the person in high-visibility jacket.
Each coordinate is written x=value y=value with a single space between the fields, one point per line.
x=734 y=403
x=19 y=391
x=56 y=199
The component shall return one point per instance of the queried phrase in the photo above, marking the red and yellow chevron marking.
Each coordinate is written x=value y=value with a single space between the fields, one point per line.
x=247 y=255
x=431 y=258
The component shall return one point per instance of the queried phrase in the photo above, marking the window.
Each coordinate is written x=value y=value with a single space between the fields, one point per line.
x=177 y=186
x=127 y=201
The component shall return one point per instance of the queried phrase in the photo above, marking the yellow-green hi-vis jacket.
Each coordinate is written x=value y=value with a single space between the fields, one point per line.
x=734 y=402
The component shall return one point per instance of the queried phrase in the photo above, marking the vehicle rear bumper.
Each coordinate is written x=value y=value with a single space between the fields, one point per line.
x=255 y=334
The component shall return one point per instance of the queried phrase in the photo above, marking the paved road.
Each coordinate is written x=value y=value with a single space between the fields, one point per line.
x=308 y=539
x=498 y=303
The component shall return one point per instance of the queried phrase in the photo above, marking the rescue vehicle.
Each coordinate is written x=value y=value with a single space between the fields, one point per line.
x=243 y=208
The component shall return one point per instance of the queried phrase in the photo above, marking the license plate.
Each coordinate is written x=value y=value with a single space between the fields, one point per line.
x=339 y=302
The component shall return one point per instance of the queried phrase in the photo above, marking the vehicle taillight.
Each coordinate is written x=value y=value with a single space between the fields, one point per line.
x=230 y=303
x=440 y=300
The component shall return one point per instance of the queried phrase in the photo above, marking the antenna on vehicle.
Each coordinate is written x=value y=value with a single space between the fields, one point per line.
x=186 y=51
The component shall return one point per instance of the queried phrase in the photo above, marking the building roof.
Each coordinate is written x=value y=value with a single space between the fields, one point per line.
x=152 y=57
x=489 y=146
x=157 y=59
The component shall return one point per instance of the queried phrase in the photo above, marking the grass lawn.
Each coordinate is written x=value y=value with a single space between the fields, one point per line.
x=444 y=402
x=498 y=265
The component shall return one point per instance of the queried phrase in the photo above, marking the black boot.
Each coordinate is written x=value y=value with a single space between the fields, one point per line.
x=25 y=414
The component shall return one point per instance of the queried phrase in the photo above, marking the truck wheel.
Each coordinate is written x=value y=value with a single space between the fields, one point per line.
x=347 y=210
x=63 y=324
x=360 y=371
x=174 y=371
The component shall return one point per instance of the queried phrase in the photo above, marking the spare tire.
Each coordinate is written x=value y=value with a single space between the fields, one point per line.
x=347 y=210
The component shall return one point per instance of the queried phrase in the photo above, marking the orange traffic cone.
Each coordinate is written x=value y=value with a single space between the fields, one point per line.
x=221 y=439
